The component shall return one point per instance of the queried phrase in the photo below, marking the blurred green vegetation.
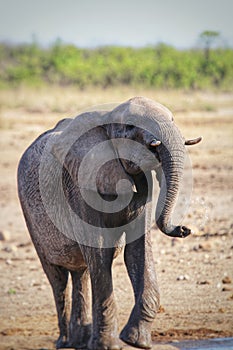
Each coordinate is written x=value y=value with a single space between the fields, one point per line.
x=162 y=66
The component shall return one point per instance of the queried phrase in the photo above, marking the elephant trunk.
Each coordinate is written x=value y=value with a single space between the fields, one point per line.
x=172 y=166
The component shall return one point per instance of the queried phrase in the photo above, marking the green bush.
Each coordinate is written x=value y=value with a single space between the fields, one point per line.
x=161 y=66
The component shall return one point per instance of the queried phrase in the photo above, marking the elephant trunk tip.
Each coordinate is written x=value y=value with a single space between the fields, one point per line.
x=175 y=231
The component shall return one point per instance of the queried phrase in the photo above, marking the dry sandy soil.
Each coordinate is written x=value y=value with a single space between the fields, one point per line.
x=195 y=275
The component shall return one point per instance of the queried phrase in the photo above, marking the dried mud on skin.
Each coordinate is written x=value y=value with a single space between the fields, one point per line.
x=195 y=275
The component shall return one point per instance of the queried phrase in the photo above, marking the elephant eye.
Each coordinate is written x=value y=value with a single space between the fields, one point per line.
x=129 y=125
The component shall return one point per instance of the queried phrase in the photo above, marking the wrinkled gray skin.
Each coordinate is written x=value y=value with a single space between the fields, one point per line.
x=61 y=256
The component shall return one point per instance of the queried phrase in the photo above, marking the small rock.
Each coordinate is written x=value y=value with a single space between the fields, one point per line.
x=221 y=310
x=5 y=235
x=226 y=289
x=183 y=278
x=10 y=249
x=203 y=282
x=204 y=247
x=26 y=244
x=7 y=249
x=8 y=261
x=33 y=268
x=35 y=284
x=226 y=280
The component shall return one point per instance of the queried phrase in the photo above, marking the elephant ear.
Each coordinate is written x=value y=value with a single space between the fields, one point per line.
x=86 y=152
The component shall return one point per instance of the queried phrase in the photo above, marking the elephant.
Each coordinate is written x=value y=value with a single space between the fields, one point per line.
x=85 y=189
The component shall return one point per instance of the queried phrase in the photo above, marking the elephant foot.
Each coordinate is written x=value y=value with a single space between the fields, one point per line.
x=61 y=342
x=79 y=337
x=137 y=336
x=104 y=343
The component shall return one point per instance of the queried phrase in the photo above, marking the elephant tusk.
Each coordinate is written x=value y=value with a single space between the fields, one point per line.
x=193 y=142
x=155 y=143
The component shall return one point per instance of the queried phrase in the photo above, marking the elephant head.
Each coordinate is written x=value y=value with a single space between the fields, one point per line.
x=140 y=133
x=152 y=125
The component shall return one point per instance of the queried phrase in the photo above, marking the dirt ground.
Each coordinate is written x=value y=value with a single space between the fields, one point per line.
x=195 y=275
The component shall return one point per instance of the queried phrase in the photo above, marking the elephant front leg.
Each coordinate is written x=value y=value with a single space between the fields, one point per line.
x=104 y=330
x=140 y=267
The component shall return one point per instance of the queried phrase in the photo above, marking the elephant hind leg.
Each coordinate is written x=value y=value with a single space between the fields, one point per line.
x=58 y=278
x=80 y=328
